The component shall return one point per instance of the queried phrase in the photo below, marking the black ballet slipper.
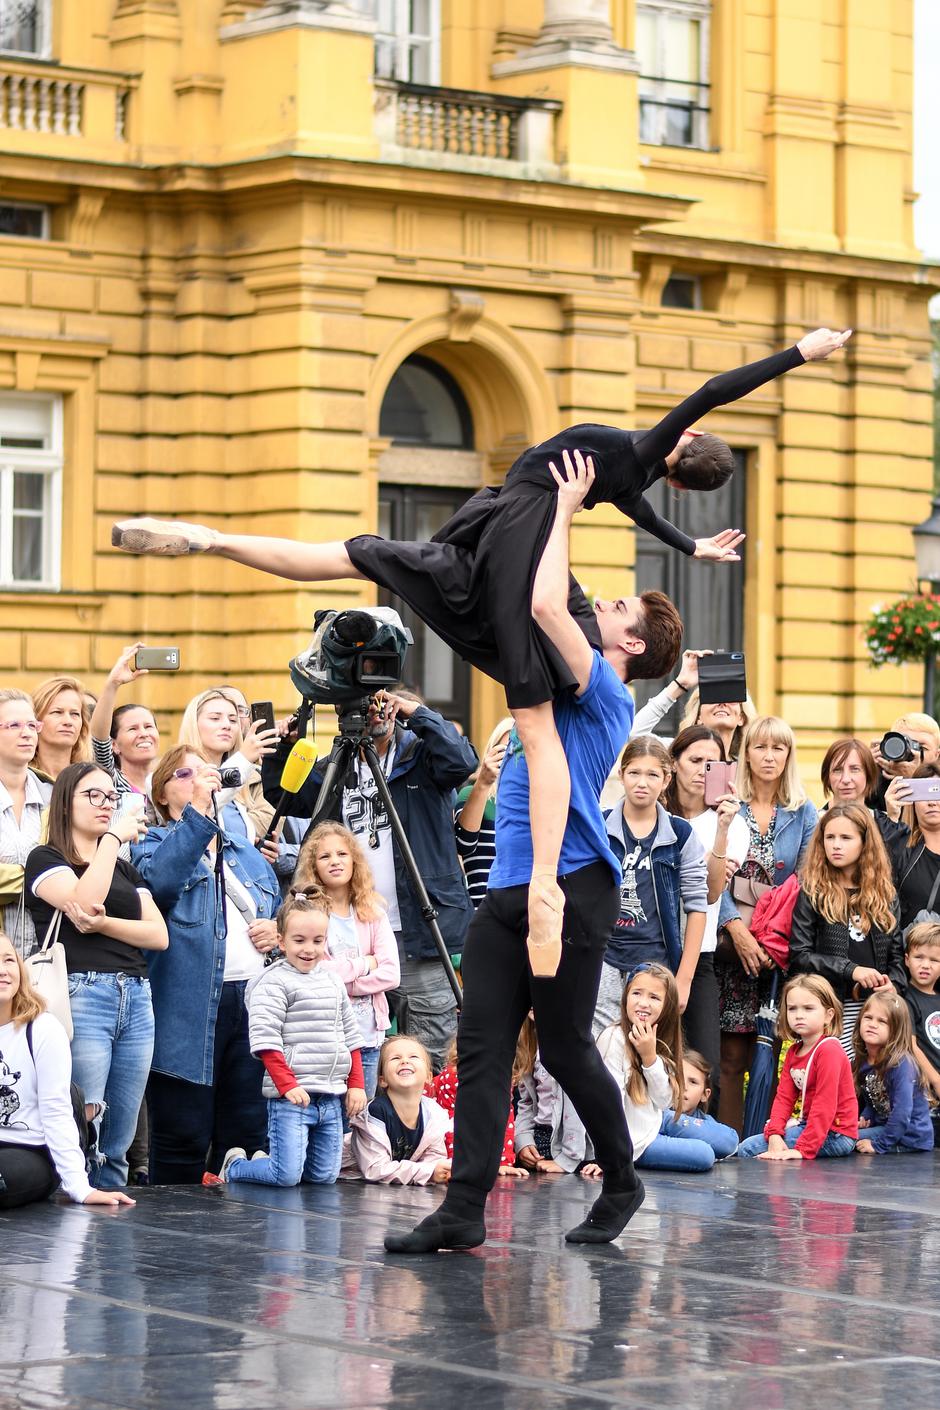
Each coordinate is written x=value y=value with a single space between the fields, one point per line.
x=609 y=1215
x=440 y=1230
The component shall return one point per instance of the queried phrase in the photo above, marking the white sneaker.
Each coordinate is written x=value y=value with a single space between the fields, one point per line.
x=173 y=538
x=236 y=1153
x=260 y=1155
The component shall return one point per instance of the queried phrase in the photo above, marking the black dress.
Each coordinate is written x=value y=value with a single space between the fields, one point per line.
x=472 y=583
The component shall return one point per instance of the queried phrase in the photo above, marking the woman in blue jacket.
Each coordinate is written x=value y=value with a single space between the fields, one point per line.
x=781 y=820
x=219 y=897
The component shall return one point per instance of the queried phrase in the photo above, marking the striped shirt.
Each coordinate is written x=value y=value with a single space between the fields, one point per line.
x=476 y=850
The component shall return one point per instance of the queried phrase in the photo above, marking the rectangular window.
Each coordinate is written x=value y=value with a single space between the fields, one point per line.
x=30 y=490
x=26 y=222
x=672 y=45
x=24 y=27
x=407 y=43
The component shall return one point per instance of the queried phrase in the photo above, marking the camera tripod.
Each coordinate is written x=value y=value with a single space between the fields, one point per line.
x=352 y=740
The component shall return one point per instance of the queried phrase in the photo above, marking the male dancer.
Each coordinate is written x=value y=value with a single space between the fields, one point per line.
x=593 y=721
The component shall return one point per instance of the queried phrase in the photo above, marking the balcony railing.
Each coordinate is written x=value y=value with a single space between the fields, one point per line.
x=460 y=128
x=48 y=99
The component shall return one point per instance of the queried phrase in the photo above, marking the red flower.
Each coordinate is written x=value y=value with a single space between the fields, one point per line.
x=918 y=631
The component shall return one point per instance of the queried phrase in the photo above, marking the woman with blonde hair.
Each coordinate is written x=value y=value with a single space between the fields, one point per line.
x=475 y=814
x=780 y=820
x=211 y=724
x=39 y=1147
x=729 y=719
x=59 y=703
x=24 y=796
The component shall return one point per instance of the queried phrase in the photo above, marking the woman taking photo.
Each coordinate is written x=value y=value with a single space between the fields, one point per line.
x=23 y=797
x=108 y=922
x=849 y=774
x=205 y=1088
x=60 y=707
x=125 y=741
x=475 y=814
x=780 y=821
x=728 y=719
x=211 y=726
x=917 y=885
x=39 y=1147
x=725 y=840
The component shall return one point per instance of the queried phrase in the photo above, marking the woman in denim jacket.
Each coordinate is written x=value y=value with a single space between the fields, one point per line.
x=205 y=1086
x=780 y=820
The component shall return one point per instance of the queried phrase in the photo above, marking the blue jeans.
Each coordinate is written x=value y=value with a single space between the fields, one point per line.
x=304 y=1143
x=370 y=1069
x=867 y=1132
x=834 y=1144
x=722 y=1139
x=677 y=1153
x=112 y=1044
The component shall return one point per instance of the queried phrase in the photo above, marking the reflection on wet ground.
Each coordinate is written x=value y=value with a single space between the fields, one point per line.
x=755 y=1288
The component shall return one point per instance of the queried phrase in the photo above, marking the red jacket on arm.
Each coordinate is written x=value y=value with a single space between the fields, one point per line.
x=829 y=1101
x=444 y=1090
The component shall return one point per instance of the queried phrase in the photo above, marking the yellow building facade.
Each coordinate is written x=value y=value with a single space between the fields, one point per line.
x=229 y=224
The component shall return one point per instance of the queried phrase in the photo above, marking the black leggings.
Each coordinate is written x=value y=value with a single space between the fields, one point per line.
x=27 y=1174
x=498 y=992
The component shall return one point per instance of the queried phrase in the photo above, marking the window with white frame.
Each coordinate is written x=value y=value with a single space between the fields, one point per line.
x=407 y=42
x=25 y=27
x=30 y=490
x=672 y=45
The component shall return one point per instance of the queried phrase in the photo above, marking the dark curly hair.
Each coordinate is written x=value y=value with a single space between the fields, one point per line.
x=706 y=463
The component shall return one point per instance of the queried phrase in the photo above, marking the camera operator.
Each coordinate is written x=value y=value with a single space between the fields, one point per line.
x=424 y=759
x=923 y=747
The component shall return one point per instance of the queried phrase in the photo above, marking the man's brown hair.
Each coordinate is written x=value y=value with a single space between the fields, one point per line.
x=660 y=626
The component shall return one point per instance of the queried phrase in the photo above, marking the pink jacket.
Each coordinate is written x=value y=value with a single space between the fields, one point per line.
x=371 y=1150
x=376 y=937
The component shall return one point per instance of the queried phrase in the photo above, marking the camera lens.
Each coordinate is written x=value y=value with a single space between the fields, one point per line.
x=895 y=748
x=231 y=778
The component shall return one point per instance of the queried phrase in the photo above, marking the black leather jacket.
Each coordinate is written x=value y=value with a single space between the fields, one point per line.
x=819 y=946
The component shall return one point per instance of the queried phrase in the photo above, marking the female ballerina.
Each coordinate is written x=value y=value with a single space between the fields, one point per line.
x=472 y=582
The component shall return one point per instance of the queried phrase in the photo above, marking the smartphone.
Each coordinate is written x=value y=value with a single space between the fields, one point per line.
x=718 y=780
x=157 y=658
x=922 y=790
x=263 y=710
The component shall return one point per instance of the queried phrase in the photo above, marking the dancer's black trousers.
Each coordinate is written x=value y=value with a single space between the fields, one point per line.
x=498 y=992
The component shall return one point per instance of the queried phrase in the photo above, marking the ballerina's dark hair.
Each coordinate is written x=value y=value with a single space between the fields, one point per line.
x=706 y=463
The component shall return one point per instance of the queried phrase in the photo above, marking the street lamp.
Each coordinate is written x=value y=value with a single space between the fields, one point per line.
x=927 y=554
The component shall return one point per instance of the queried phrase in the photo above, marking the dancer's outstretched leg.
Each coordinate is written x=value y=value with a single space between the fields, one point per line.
x=549 y=796
x=284 y=558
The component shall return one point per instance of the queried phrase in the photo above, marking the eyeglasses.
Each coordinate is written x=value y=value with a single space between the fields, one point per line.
x=183 y=773
x=18 y=726
x=99 y=799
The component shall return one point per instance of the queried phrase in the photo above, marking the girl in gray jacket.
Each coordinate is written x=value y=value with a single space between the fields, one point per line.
x=302 y=1026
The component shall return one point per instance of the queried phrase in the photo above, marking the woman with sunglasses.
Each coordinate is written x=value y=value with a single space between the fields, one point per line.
x=23 y=799
x=219 y=896
x=108 y=924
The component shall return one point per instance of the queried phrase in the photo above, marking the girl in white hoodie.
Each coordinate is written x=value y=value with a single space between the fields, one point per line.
x=644 y=1053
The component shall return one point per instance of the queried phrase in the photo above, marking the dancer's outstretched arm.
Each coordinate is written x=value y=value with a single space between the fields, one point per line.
x=663 y=438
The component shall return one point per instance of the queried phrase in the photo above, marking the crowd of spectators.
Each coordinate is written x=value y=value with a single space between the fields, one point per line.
x=233 y=989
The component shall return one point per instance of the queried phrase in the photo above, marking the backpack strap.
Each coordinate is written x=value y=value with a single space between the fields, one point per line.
x=829 y=1038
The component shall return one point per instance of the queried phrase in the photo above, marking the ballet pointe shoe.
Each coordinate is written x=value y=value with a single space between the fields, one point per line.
x=171 y=538
x=546 y=913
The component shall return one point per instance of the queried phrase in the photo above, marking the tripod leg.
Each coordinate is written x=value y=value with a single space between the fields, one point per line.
x=427 y=910
x=333 y=775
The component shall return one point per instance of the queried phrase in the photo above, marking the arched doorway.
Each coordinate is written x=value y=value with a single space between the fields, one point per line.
x=425 y=410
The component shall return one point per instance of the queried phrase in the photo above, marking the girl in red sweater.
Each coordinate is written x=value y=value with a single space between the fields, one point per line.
x=815 y=1070
x=444 y=1091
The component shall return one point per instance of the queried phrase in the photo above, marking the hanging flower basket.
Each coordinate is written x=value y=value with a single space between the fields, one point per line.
x=903 y=631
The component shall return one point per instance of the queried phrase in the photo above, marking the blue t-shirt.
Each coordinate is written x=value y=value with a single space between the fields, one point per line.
x=593 y=728
x=637 y=936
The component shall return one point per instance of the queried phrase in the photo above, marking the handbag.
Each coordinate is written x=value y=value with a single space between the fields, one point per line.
x=49 y=976
x=745 y=892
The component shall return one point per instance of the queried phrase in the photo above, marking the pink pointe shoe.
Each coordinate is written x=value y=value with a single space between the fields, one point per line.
x=170 y=537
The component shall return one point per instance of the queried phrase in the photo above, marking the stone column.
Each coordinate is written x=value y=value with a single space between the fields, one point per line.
x=587 y=21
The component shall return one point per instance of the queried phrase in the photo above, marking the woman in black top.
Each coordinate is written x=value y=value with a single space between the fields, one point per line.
x=109 y=920
x=849 y=774
x=920 y=867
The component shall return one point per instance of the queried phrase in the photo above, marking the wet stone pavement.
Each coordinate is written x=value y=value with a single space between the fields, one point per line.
x=755 y=1288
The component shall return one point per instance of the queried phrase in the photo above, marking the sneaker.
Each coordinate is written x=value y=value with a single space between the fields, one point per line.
x=260 y=1155
x=210 y=1181
x=170 y=537
x=236 y=1153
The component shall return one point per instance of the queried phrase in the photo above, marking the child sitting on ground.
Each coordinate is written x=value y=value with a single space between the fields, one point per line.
x=299 y=1006
x=894 y=1113
x=693 y=1121
x=549 y=1136
x=401 y=1138
x=644 y=1053
x=815 y=1069
x=922 y=960
x=444 y=1091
